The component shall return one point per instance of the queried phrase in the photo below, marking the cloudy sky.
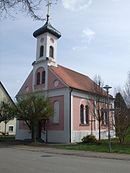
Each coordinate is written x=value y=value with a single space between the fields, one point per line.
x=95 y=41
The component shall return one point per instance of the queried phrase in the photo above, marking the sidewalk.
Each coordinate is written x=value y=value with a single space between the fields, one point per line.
x=52 y=150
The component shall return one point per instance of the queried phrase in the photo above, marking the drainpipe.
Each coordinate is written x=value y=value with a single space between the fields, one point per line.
x=70 y=113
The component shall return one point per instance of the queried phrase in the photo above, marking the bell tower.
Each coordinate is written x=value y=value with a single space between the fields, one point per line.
x=47 y=37
x=46 y=52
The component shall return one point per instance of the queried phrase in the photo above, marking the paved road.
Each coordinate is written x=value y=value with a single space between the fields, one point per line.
x=16 y=160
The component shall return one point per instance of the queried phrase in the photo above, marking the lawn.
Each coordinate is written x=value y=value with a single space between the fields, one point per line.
x=127 y=139
x=7 y=138
x=102 y=147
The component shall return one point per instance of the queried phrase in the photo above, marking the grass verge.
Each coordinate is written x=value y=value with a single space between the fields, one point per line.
x=103 y=147
x=7 y=138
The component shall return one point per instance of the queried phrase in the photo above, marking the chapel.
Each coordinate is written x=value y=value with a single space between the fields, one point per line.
x=73 y=95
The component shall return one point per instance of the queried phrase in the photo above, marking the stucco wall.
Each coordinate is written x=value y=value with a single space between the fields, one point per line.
x=78 y=131
x=60 y=125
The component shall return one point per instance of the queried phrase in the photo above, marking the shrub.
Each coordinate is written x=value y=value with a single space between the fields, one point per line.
x=89 y=139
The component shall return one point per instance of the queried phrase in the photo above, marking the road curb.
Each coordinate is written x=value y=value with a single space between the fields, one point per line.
x=50 y=150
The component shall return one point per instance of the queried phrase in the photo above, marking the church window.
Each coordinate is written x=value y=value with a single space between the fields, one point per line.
x=56 y=112
x=38 y=78
x=51 y=52
x=82 y=114
x=104 y=117
x=43 y=77
x=87 y=114
x=41 y=51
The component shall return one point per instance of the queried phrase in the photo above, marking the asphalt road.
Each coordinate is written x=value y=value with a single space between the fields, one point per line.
x=16 y=160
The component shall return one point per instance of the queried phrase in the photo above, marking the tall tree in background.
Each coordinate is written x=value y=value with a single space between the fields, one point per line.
x=35 y=110
x=122 y=117
x=6 y=113
x=126 y=92
x=31 y=7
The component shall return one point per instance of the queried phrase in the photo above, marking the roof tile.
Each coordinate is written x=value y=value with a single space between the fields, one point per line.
x=77 y=80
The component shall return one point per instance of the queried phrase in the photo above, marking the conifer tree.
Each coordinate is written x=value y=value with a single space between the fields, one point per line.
x=122 y=118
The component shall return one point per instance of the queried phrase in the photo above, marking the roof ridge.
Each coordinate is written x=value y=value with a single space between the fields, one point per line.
x=75 y=71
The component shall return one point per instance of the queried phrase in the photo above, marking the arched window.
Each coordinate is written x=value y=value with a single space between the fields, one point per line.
x=38 y=78
x=41 y=51
x=82 y=114
x=43 y=77
x=56 y=112
x=51 y=52
x=87 y=114
x=104 y=117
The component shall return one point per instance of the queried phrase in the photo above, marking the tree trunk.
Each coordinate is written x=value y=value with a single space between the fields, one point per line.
x=46 y=128
x=5 y=127
x=39 y=130
x=34 y=131
x=99 y=129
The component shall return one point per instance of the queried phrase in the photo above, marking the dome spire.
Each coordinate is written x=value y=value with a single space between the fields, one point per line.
x=47 y=27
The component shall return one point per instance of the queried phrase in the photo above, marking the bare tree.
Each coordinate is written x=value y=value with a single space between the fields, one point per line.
x=31 y=7
x=98 y=90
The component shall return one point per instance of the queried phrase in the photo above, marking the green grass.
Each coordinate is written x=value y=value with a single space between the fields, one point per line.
x=127 y=139
x=7 y=138
x=103 y=147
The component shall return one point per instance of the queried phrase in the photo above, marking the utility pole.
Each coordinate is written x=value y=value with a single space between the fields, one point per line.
x=107 y=87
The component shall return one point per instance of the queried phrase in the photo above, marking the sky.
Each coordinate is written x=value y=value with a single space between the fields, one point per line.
x=95 y=41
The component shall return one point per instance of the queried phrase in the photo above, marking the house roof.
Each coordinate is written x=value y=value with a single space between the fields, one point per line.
x=47 y=28
x=7 y=94
x=77 y=80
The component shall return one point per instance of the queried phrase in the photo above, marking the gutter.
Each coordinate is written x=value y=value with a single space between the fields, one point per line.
x=70 y=114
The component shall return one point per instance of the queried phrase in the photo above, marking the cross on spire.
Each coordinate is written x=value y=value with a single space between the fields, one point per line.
x=49 y=3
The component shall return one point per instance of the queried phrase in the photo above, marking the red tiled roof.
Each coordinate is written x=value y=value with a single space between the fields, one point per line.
x=77 y=80
x=71 y=78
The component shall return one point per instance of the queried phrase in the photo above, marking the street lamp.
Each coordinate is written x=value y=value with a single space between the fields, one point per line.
x=107 y=87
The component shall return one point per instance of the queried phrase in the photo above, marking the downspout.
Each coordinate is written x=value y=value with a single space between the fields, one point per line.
x=70 y=113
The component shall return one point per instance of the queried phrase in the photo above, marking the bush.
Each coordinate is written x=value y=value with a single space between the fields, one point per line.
x=89 y=139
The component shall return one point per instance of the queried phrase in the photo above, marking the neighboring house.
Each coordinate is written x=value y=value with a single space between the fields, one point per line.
x=72 y=94
x=11 y=125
